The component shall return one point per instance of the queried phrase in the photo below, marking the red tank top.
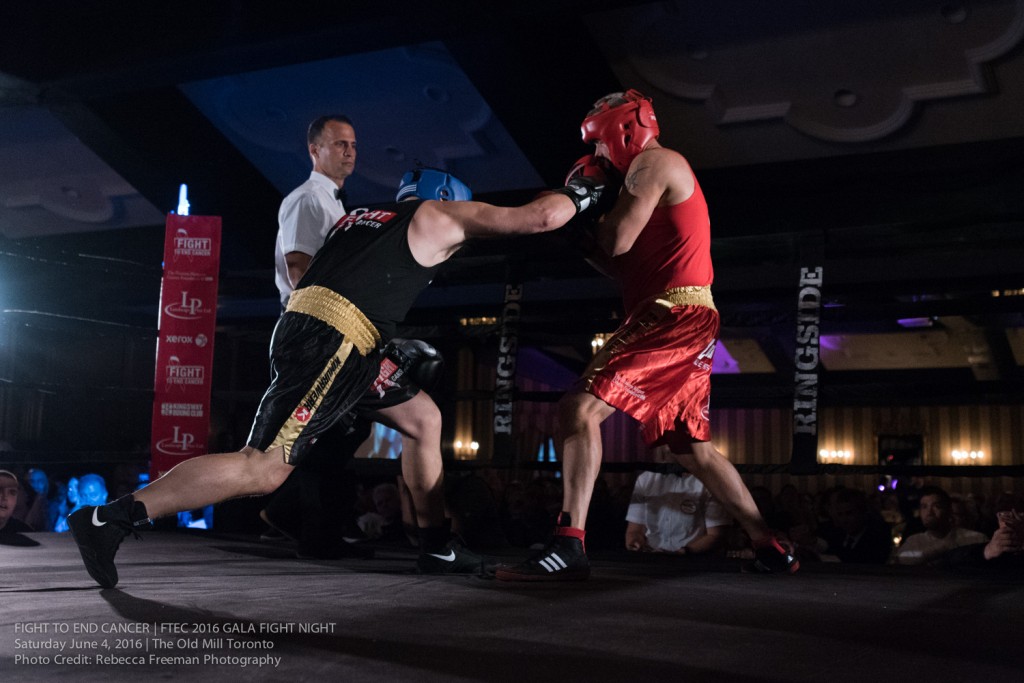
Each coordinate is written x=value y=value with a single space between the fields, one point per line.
x=673 y=250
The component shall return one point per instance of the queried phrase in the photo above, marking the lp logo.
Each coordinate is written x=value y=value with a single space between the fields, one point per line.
x=186 y=309
x=180 y=444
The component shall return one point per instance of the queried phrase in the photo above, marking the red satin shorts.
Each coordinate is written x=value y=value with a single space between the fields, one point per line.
x=656 y=368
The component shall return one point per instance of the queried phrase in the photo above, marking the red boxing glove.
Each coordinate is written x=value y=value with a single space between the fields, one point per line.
x=589 y=166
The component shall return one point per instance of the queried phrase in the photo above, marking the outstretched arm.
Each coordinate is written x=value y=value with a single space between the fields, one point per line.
x=438 y=229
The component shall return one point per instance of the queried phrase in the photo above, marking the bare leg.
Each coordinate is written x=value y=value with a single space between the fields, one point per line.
x=209 y=479
x=724 y=482
x=579 y=419
x=419 y=422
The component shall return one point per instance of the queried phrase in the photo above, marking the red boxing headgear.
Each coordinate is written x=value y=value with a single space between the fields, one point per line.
x=625 y=128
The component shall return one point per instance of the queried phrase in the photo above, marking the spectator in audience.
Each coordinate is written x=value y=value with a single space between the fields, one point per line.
x=38 y=481
x=9 y=492
x=909 y=493
x=964 y=516
x=73 y=497
x=57 y=506
x=671 y=513
x=92 y=490
x=1007 y=500
x=892 y=514
x=384 y=522
x=74 y=500
x=940 y=535
x=1003 y=555
x=1008 y=539
x=854 y=533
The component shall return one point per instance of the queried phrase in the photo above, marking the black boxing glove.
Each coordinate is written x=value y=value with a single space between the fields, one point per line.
x=419 y=363
x=584 y=192
x=602 y=172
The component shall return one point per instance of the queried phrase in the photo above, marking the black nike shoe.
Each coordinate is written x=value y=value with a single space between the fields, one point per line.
x=98 y=540
x=562 y=559
x=453 y=559
x=772 y=558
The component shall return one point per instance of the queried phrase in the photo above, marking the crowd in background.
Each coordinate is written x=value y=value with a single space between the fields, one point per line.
x=838 y=524
x=491 y=510
x=45 y=501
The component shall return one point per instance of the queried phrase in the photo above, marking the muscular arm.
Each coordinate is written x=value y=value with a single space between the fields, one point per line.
x=439 y=228
x=656 y=177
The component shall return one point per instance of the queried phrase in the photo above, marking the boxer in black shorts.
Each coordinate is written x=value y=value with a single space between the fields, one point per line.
x=315 y=507
x=325 y=353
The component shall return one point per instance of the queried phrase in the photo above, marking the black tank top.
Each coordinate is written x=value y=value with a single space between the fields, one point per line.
x=367 y=260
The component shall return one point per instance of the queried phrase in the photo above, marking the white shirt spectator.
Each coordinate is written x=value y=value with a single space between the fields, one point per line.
x=676 y=510
x=926 y=546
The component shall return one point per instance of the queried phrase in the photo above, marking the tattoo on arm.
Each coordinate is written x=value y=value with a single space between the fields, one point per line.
x=633 y=179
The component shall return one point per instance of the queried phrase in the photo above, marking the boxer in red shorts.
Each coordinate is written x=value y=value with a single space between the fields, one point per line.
x=656 y=241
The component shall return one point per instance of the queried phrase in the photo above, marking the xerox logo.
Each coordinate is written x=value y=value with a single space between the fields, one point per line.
x=182 y=443
x=199 y=340
x=189 y=308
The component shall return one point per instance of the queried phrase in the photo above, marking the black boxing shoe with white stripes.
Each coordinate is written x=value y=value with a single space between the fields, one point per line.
x=562 y=559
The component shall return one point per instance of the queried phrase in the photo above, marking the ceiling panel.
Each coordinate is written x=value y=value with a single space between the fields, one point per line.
x=409 y=105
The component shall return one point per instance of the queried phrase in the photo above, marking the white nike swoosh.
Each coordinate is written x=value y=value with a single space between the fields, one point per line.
x=96 y=520
x=447 y=558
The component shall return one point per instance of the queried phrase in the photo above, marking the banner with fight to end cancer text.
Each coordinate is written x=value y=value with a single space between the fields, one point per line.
x=184 y=347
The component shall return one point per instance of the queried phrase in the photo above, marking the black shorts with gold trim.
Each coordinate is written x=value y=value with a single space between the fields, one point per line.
x=323 y=356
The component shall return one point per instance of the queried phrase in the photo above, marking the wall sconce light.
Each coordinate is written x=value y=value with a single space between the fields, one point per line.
x=825 y=455
x=466 y=449
x=968 y=457
x=598 y=341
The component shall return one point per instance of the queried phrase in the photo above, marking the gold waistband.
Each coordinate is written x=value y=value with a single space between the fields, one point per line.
x=338 y=312
x=696 y=295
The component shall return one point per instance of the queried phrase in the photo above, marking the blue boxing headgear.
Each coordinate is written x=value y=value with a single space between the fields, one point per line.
x=432 y=183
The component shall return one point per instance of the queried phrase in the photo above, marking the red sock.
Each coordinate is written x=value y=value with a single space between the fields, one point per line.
x=772 y=542
x=562 y=528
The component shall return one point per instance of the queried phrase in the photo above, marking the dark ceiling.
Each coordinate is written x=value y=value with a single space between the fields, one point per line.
x=884 y=140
